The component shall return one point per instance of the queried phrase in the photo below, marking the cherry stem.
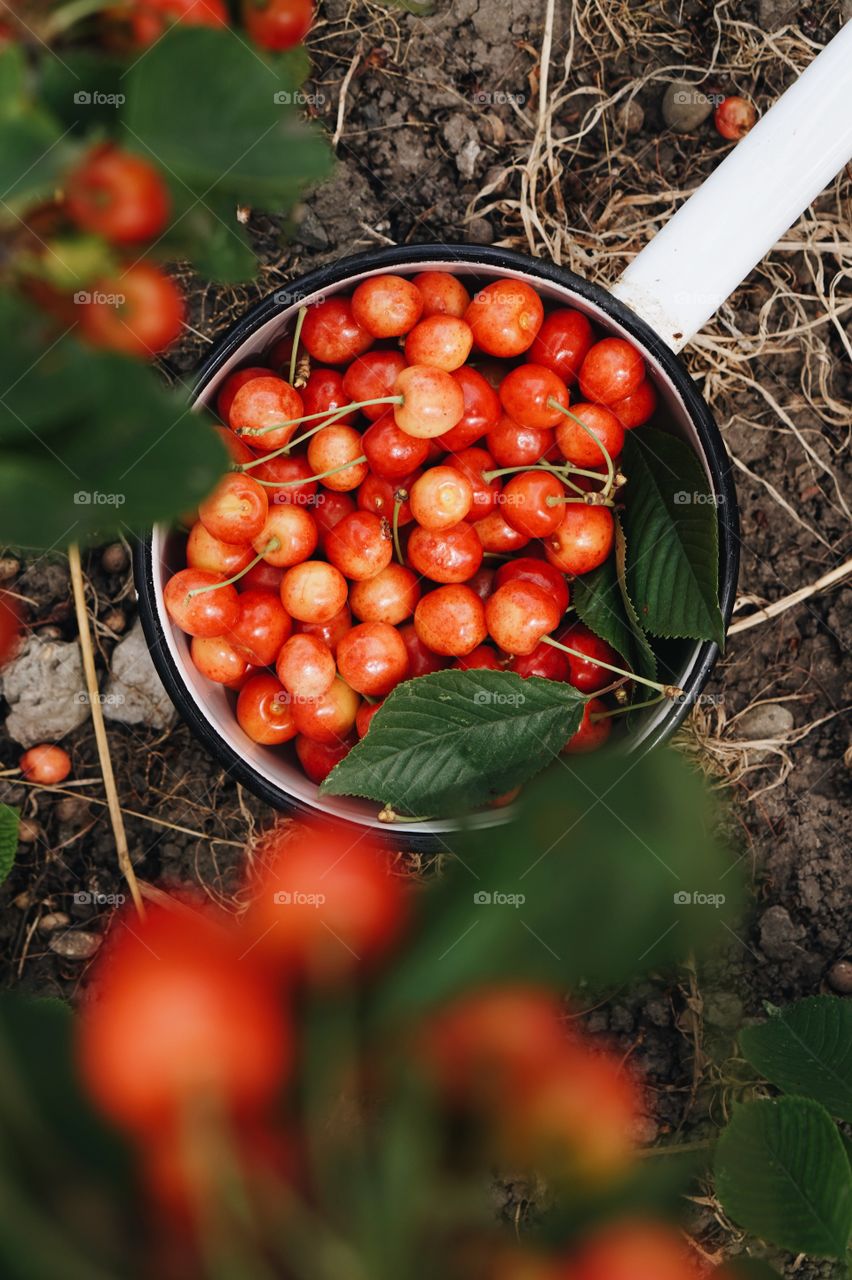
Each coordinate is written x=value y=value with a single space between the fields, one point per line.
x=588 y=499
x=562 y=472
x=297 y=333
x=285 y=448
x=667 y=690
x=68 y=15
x=321 y=475
x=312 y=417
x=622 y=711
x=272 y=545
x=399 y=497
x=610 y=469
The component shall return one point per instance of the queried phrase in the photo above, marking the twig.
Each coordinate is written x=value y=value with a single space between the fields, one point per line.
x=827 y=580
x=341 y=105
x=96 y=709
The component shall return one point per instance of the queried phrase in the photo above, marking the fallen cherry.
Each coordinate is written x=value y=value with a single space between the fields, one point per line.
x=734 y=118
x=46 y=764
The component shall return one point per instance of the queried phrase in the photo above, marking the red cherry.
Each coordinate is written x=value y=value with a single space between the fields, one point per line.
x=472 y=463
x=330 y=450
x=372 y=658
x=433 y=402
x=329 y=509
x=203 y=551
x=138 y=313
x=518 y=614
x=421 y=660
x=390 y=596
x=482 y=658
x=443 y=294
x=584 y=673
x=261 y=628
x=611 y=370
x=324 y=391
x=734 y=118
x=497 y=535
x=262 y=405
x=210 y=613
x=151 y=18
x=451 y=621
x=261 y=577
x=636 y=409
x=387 y=306
x=117 y=195
x=524 y=503
x=236 y=510
x=392 y=454
x=231 y=386
x=525 y=394
x=318 y=759
x=562 y=343
x=217 y=659
x=264 y=712
x=578 y=447
x=331 y=334
x=482 y=582
x=289 y=536
x=544 y=575
x=277 y=24
x=544 y=661
x=313 y=591
x=305 y=667
x=583 y=540
x=505 y=317
x=329 y=718
x=283 y=471
x=329 y=632
x=371 y=377
x=512 y=445
x=441 y=342
x=481 y=411
x=446 y=555
x=46 y=764
x=364 y=718
x=379 y=496
x=360 y=545
x=238 y=450
x=634 y=1251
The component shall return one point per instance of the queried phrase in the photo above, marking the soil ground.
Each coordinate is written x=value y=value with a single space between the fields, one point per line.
x=440 y=132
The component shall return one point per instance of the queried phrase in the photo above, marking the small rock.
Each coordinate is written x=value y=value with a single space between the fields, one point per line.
x=54 y=920
x=72 y=809
x=631 y=116
x=840 y=977
x=779 y=936
x=77 y=945
x=658 y=1012
x=28 y=831
x=770 y=720
x=114 y=621
x=480 y=231
x=50 y=632
x=463 y=140
x=723 y=1009
x=114 y=558
x=45 y=690
x=23 y=901
x=9 y=567
x=45 y=581
x=311 y=232
x=685 y=106
x=134 y=693
x=772 y=15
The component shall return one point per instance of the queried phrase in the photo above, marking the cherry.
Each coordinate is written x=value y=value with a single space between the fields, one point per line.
x=277 y=24
x=578 y=447
x=544 y=575
x=217 y=659
x=337 y=455
x=281 y=472
x=611 y=370
x=261 y=628
x=329 y=718
x=526 y=394
x=584 y=673
x=360 y=545
x=117 y=195
x=441 y=497
x=562 y=343
x=329 y=509
x=445 y=555
x=313 y=591
x=497 y=536
x=264 y=712
x=138 y=313
x=634 y=1251
x=324 y=391
x=433 y=402
x=372 y=377
x=231 y=386
x=482 y=582
x=482 y=658
x=421 y=660
x=531 y=503
x=734 y=118
x=238 y=450
x=390 y=596
x=583 y=540
x=280 y=354
x=518 y=614
x=512 y=445
x=441 y=342
x=591 y=733
x=387 y=306
x=306 y=667
x=10 y=627
x=151 y=18
x=544 y=661
x=364 y=718
x=289 y=536
x=372 y=658
x=236 y=510
x=331 y=334
x=481 y=411
x=473 y=463
x=260 y=407
x=208 y=613
x=637 y=408
x=318 y=759
x=329 y=632
x=261 y=577
x=451 y=621
x=505 y=317
x=46 y=764
x=392 y=454
x=380 y=497
x=203 y=551
x=443 y=294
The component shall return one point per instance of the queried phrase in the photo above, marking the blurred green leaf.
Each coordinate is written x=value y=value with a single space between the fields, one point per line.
x=746 y=1269
x=85 y=90
x=782 y=1173
x=9 y=824
x=806 y=1048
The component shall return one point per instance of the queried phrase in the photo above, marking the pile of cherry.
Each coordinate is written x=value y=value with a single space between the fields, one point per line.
x=421 y=501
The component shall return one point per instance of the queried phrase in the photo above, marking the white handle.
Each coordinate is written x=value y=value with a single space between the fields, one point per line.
x=756 y=193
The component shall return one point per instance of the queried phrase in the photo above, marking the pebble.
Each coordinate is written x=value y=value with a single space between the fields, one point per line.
x=28 y=831
x=779 y=936
x=134 y=693
x=54 y=920
x=685 y=106
x=72 y=809
x=840 y=977
x=631 y=116
x=723 y=1009
x=114 y=621
x=114 y=558
x=45 y=690
x=9 y=567
x=77 y=945
x=480 y=231
x=770 y=720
